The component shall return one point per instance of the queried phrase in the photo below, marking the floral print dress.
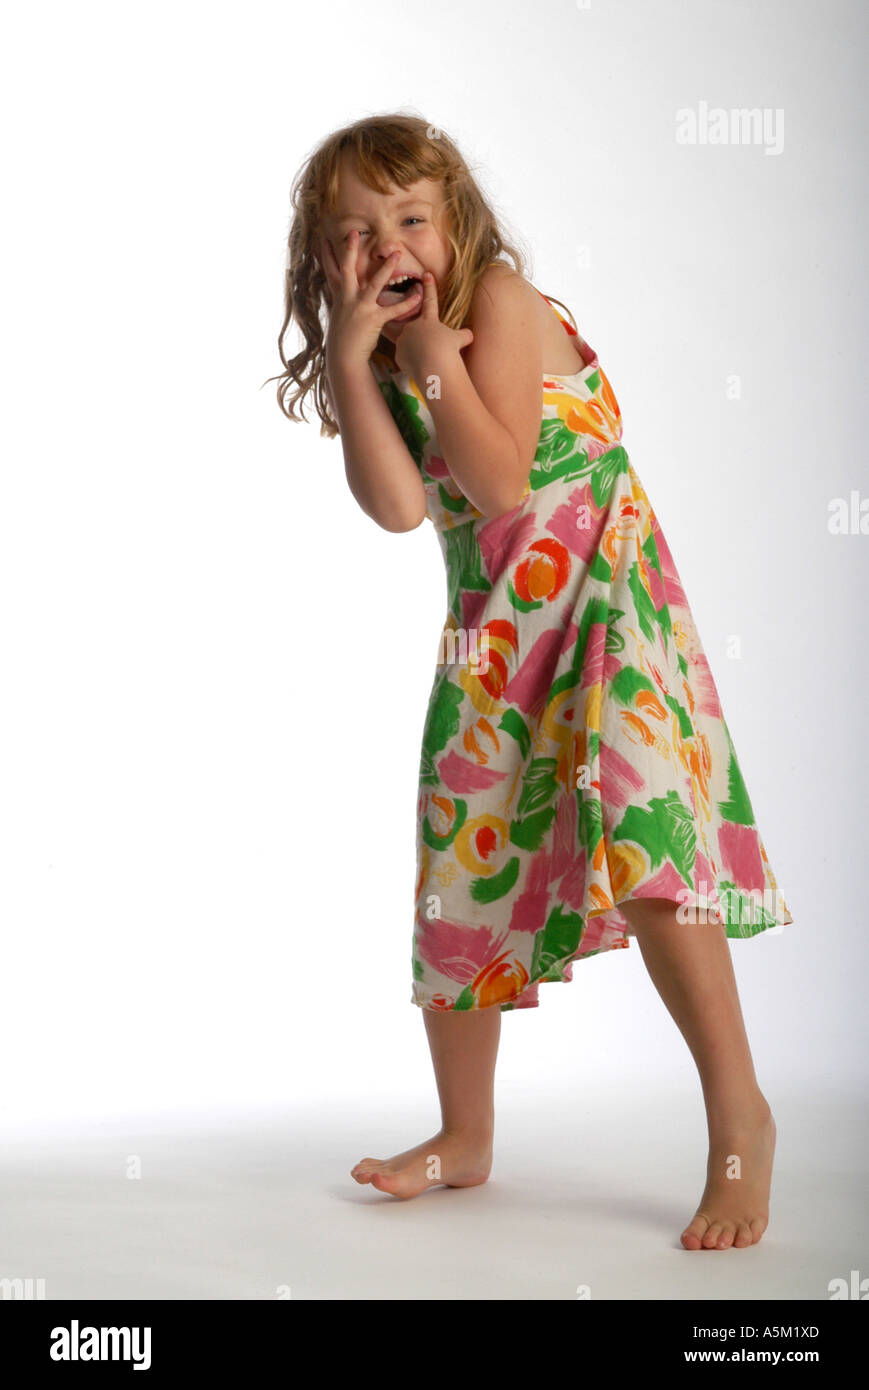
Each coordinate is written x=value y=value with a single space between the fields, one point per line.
x=574 y=754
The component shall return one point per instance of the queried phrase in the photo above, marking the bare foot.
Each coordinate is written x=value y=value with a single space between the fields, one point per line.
x=449 y=1159
x=734 y=1210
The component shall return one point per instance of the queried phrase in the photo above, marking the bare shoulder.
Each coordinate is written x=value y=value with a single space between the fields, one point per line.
x=500 y=287
x=516 y=321
x=505 y=321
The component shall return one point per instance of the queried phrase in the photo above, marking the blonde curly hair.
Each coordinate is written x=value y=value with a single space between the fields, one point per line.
x=389 y=149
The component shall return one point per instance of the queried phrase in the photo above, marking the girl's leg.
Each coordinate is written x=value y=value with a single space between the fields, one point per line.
x=691 y=968
x=464 y=1048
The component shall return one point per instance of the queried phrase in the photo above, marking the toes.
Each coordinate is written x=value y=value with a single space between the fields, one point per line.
x=725 y=1240
x=710 y=1240
x=758 y=1226
x=693 y=1234
x=706 y=1234
x=363 y=1170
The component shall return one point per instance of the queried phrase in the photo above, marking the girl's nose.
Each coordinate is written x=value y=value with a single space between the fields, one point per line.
x=384 y=249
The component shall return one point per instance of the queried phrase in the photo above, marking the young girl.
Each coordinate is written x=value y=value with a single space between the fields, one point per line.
x=578 y=782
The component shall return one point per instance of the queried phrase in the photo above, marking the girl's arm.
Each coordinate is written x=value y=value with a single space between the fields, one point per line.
x=380 y=471
x=487 y=407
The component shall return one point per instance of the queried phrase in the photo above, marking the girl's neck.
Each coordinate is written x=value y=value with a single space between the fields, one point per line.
x=387 y=347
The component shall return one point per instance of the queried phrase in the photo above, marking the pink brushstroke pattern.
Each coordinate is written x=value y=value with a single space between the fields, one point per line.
x=504 y=541
x=463 y=776
x=740 y=855
x=580 y=541
x=619 y=780
x=531 y=907
x=458 y=951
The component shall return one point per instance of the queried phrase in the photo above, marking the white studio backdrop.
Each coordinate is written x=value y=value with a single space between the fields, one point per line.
x=216 y=666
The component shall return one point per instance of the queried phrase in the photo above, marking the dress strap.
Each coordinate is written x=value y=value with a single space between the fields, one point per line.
x=548 y=301
x=565 y=323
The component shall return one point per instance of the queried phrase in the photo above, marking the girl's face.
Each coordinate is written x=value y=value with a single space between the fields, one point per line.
x=406 y=220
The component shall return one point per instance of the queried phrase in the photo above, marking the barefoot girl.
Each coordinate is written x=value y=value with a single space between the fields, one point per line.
x=578 y=784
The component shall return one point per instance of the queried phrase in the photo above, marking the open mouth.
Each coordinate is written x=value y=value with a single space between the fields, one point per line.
x=400 y=290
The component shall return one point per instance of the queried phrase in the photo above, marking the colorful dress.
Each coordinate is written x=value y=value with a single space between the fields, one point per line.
x=575 y=754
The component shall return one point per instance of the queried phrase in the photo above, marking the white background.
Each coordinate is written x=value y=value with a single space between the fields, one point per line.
x=216 y=666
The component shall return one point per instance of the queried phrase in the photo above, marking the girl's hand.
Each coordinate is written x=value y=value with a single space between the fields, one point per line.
x=423 y=342
x=355 y=317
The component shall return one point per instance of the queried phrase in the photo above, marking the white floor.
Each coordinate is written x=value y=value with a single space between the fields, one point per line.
x=262 y=1206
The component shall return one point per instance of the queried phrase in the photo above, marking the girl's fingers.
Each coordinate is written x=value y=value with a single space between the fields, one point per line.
x=401 y=306
x=377 y=283
x=343 y=276
x=330 y=266
x=380 y=277
x=429 y=296
x=348 y=262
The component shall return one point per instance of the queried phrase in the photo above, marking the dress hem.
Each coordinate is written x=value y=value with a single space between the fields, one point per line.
x=734 y=931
